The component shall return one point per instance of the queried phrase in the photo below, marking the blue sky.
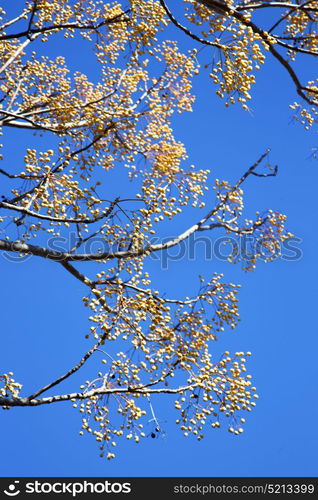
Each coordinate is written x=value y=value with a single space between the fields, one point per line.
x=44 y=323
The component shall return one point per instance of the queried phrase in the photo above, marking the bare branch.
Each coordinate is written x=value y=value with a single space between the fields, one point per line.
x=281 y=5
x=132 y=390
x=294 y=48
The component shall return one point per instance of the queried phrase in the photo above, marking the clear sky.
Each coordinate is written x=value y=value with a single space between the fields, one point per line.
x=43 y=321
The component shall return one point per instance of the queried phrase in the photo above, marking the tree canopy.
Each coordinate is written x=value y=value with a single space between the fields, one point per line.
x=57 y=202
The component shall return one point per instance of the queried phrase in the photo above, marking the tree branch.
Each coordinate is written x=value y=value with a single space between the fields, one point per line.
x=17 y=401
x=281 y=5
x=18 y=52
x=217 y=4
x=38 y=31
x=72 y=370
x=30 y=213
x=185 y=30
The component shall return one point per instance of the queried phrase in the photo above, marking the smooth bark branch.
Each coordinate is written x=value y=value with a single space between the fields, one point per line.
x=15 y=19
x=22 y=121
x=186 y=30
x=84 y=220
x=280 y=5
x=18 y=52
x=56 y=27
x=293 y=49
x=17 y=401
x=70 y=372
